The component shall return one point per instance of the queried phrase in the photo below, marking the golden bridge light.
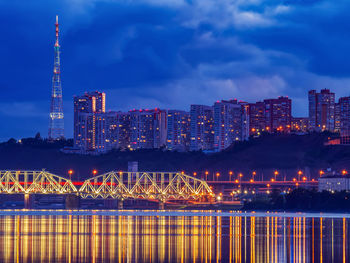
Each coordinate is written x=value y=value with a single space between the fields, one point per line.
x=304 y=178
x=168 y=186
x=344 y=172
x=70 y=172
x=300 y=172
x=94 y=172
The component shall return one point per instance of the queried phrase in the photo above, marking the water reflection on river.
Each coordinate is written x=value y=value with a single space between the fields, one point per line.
x=73 y=238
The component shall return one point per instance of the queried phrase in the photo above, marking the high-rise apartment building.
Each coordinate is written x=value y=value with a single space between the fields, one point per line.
x=278 y=114
x=202 y=123
x=230 y=123
x=89 y=121
x=117 y=130
x=322 y=110
x=257 y=123
x=337 y=117
x=148 y=128
x=344 y=112
x=178 y=130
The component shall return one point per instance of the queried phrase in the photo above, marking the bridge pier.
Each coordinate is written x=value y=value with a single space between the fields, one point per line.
x=110 y=203
x=72 y=201
x=29 y=201
x=161 y=205
x=120 y=204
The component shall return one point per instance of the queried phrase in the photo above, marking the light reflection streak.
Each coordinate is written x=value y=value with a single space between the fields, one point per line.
x=171 y=239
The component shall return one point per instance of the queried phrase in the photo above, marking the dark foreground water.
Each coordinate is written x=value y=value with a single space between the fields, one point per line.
x=172 y=237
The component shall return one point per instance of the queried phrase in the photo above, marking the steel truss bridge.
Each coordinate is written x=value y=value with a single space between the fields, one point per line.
x=159 y=186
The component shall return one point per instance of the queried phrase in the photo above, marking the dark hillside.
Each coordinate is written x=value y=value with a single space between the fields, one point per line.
x=286 y=153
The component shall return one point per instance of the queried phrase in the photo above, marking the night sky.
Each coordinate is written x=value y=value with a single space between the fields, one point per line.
x=168 y=54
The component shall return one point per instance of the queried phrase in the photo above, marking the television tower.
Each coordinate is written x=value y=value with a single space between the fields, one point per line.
x=56 y=126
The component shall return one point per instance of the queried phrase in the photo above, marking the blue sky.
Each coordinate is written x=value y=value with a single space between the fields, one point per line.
x=168 y=54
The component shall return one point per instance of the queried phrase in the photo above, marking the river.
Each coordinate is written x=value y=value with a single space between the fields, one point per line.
x=172 y=236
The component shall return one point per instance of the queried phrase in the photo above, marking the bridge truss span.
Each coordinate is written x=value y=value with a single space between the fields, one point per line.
x=159 y=186
x=35 y=182
x=145 y=185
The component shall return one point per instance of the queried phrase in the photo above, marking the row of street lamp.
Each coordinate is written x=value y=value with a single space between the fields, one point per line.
x=239 y=177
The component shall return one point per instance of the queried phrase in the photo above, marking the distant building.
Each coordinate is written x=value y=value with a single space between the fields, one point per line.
x=334 y=183
x=100 y=132
x=148 y=129
x=117 y=130
x=337 y=117
x=257 y=123
x=230 y=121
x=300 y=124
x=178 y=130
x=89 y=122
x=202 y=132
x=322 y=110
x=344 y=112
x=278 y=114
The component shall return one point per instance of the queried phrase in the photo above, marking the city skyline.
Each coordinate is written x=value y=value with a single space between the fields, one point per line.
x=204 y=127
x=153 y=61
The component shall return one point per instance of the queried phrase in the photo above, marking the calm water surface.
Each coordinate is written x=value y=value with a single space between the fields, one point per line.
x=153 y=237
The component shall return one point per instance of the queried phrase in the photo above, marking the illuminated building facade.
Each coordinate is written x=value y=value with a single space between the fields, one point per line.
x=89 y=121
x=202 y=123
x=334 y=183
x=257 y=122
x=178 y=130
x=278 y=114
x=117 y=130
x=322 y=110
x=148 y=129
x=344 y=119
x=229 y=123
x=300 y=124
x=337 y=117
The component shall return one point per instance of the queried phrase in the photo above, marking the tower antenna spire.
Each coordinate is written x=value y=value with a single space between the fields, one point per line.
x=56 y=126
x=57 y=31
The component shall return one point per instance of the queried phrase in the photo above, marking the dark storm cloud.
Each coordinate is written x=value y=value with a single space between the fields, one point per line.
x=152 y=53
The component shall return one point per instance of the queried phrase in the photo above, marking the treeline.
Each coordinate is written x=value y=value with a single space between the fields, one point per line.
x=38 y=142
x=302 y=200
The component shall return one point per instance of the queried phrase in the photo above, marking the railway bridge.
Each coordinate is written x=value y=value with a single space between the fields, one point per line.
x=159 y=186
